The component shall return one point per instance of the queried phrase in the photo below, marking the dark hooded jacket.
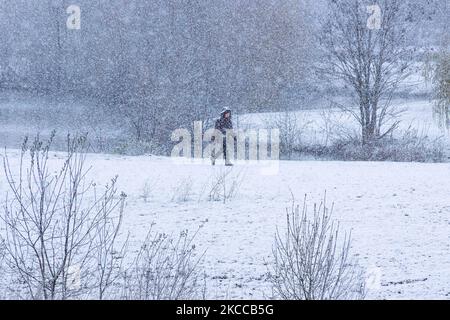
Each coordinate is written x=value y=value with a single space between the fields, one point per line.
x=222 y=124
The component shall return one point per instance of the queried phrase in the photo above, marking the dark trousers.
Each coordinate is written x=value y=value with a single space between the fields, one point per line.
x=224 y=146
x=215 y=154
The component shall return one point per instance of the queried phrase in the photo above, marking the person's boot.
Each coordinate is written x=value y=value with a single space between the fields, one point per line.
x=228 y=163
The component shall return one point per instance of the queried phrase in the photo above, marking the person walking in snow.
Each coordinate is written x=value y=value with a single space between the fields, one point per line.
x=223 y=124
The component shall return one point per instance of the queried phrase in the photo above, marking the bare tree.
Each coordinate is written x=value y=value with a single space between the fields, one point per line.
x=438 y=73
x=60 y=236
x=369 y=57
x=312 y=259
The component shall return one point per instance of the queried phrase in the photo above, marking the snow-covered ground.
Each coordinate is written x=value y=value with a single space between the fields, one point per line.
x=399 y=215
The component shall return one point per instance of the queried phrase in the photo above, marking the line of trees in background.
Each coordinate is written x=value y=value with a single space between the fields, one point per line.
x=159 y=65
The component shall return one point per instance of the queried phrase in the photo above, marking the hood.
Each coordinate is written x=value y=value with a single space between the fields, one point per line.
x=225 y=110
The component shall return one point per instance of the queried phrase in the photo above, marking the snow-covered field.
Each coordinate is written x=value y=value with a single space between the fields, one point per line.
x=398 y=213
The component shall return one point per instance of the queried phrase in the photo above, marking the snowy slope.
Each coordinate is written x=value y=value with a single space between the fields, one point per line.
x=399 y=215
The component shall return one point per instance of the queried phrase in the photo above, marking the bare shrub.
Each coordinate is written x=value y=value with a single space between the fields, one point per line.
x=224 y=186
x=165 y=268
x=59 y=243
x=129 y=145
x=342 y=143
x=183 y=190
x=409 y=146
x=147 y=189
x=312 y=258
x=291 y=127
x=3 y=280
x=333 y=125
